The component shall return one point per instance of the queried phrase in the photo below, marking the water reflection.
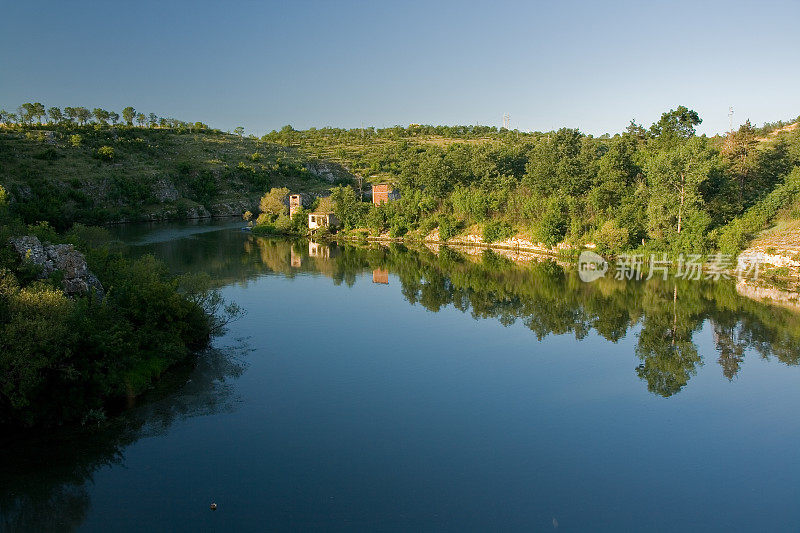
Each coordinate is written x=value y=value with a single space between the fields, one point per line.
x=549 y=298
x=45 y=486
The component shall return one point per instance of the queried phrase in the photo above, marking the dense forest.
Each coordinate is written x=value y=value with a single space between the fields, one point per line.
x=662 y=187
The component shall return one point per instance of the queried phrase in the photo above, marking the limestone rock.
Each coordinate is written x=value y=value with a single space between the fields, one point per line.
x=64 y=258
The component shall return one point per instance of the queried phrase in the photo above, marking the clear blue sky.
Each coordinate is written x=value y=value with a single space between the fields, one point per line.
x=592 y=65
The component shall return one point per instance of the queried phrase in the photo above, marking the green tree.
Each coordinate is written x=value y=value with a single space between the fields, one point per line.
x=676 y=123
x=71 y=113
x=55 y=115
x=347 y=207
x=273 y=203
x=141 y=119
x=113 y=116
x=556 y=164
x=101 y=115
x=555 y=221
x=152 y=118
x=25 y=112
x=34 y=110
x=83 y=115
x=128 y=114
x=675 y=175
x=239 y=131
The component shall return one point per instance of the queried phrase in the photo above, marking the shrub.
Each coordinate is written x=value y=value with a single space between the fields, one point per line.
x=397 y=230
x=448 y=227
x=426 y=225
x=76 y=140
x=497 y=230
x=738 y=233
x=554 y=223
x=611 y=238
x=105 y=153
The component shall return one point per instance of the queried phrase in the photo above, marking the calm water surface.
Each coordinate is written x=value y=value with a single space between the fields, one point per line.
x=393 y=389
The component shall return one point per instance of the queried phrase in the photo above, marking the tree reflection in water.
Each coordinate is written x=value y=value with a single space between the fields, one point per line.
x=44 y=487
x=549 y=298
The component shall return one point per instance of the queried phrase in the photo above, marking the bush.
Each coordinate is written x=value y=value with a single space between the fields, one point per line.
x=611 y=238
x=105 y=153
x=448 y=227
x=497 y=230
x=738 y=233
x=397 y=230
x=75 y=140
x=555 y=222
x=61 y=358
x=427 y=225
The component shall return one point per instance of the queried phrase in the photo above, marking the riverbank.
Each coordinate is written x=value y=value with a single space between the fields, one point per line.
x=773 y=282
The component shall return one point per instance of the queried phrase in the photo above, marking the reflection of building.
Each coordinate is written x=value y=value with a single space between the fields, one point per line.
x=316 y=249
x=380 y=275
x=295 y=204
x=296 y=258
x=319 y=220
x=383 y=193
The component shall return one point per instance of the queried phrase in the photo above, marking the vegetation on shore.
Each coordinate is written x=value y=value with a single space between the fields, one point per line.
x=662 y=188
x=63 y=358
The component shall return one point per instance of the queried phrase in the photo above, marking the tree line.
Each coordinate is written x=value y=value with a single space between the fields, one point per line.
x=662 y=187
x=35 y=112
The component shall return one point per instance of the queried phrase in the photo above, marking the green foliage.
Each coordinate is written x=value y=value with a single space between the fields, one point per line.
x=105 y=153
x=736 y=235
x=273 y=204
x=449 y=227
x=76 y=140
x=347 y=207
x=554 y=224
x=611 y=238
x=61 y=358
x=497 y=230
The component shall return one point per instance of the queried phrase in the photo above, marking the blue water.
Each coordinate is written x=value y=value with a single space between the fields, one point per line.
x=354 y=410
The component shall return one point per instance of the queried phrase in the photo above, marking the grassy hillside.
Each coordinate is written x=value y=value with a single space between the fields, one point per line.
x=98 y=174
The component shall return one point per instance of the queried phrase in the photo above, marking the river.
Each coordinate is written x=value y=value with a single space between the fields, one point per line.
x=393 y=389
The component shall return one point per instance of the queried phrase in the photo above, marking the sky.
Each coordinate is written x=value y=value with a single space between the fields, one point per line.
x=261 y=65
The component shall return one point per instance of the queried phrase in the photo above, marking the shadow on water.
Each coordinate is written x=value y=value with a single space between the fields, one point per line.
x=44 y=487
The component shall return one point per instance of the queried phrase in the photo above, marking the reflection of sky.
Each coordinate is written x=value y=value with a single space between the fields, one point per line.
x=360 y=411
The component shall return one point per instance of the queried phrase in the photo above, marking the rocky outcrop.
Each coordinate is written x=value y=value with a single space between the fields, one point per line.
x=232 y=208
x=328 y=171
x=63 y=258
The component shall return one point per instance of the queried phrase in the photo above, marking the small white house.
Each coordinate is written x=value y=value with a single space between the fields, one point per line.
x=319 y=220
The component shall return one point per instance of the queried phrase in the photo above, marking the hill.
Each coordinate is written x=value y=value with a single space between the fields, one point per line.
x=99 y=174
